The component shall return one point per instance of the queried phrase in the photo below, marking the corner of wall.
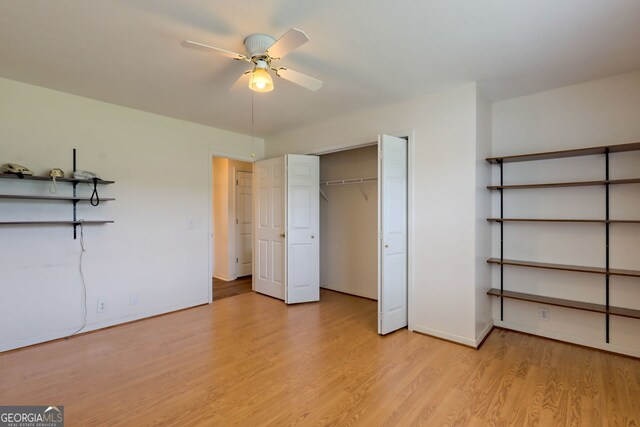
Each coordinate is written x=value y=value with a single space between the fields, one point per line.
x=483 y=242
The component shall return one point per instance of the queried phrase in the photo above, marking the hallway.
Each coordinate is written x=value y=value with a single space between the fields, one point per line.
x=223 y=289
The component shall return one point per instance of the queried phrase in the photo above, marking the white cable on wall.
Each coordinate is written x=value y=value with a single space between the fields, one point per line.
x=54 y=186
x=84 y=286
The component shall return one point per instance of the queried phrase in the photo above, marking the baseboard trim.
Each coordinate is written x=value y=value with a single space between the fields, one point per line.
x=456 y=339
x=225 y=278
x=482 y=337
x=349 y=292
x=96 y=327
x=611 y=348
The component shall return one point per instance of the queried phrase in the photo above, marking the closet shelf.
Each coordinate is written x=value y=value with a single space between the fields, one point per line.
x=597 y=221
x=565 y=184
x=55 y=222
x=566 y=153
x=578 y=305
x=348 y=181
x=566 y=267
x=55 y=198
x=46 y=178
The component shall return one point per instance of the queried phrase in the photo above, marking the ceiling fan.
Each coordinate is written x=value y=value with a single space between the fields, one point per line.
x=262 y=51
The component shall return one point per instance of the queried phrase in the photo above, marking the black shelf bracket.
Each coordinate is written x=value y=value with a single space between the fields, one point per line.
x=501 y=241
x=607 y=277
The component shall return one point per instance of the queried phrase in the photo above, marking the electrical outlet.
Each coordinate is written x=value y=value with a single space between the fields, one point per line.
x=102 y=305
x=543 y=314
x=134 y=299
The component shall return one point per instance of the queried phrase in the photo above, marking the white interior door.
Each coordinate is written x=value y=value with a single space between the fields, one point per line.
x=392 y=244
x=303 y=225
x=269 y=218
x=244 y=223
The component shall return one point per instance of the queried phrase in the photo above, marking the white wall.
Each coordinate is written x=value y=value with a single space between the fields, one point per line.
x=443 y=172
x=600 y=112
x=224 y=214
x=349 y=223
x=162 y=171
x=483 y=242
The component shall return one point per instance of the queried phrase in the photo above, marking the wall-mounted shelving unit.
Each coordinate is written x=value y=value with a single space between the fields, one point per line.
x=56 y=222
x=597 y=221
x=566 y=184
x=51 y=198
x=606 y=271
x=74 y=199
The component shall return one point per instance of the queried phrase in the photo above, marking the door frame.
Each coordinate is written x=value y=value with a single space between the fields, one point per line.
x=409 y=135
x=212 y=154
x=235 y=215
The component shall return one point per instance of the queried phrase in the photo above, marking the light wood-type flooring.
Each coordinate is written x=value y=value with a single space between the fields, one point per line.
x=251 y=360
x=222 y=289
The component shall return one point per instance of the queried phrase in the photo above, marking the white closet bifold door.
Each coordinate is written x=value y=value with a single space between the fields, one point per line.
x=392 y=241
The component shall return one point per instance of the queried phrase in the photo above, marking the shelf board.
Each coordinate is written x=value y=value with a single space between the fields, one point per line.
x=578 y=305
x=55 y=198
x=565 y=267
x=565 y=184
x=566 y=153
x=55 y=222
x=597 y=221
x=47 y=178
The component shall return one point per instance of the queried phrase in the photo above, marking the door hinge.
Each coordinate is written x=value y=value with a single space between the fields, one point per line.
x=236 y=260
x=380 y=154
x=380 y=235
x=236 y=220
x=236 y=182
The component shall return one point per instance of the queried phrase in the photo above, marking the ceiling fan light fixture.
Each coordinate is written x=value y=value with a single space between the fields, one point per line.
x=260 y=80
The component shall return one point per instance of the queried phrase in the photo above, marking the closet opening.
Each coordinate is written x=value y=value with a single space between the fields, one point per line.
x=349 y=222
x=364 y=227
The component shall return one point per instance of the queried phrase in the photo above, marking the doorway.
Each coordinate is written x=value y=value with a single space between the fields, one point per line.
x=232 y=227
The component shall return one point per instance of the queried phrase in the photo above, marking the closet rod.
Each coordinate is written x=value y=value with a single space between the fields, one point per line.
x=348 y=181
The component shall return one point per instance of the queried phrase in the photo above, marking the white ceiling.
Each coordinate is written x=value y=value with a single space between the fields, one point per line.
x=367 y=52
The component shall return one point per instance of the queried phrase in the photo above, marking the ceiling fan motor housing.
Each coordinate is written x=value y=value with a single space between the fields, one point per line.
x=257 y=45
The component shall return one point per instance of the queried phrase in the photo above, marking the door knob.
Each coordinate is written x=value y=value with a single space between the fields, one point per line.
x=282 y=235
x=313 y=237
x=386 y=245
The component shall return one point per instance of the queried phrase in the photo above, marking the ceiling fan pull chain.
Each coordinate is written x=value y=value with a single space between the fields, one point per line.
x=253 y=151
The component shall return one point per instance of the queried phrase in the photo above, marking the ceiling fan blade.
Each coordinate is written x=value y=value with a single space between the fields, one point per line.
x=242 y=82
x=206 y=48
x=289 y=41
x=299 y=79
